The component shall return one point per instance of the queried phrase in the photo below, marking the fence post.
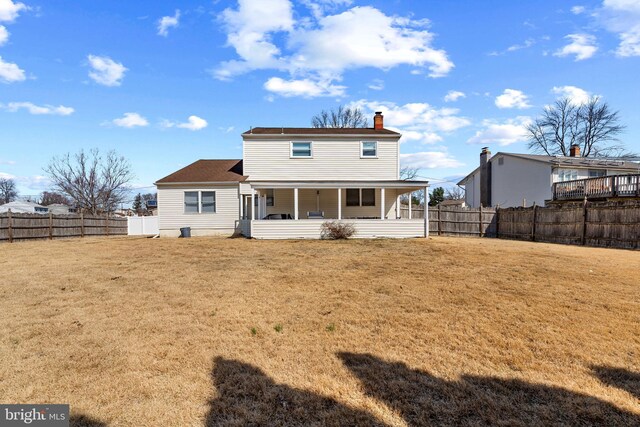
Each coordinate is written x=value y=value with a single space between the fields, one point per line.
x=497 y=217
x=480 y=223
x=10 y=225
x=81 y=223
x=106 y=222
x=439 y=221
x=50 y=225
x=583 y=239
x=533 y=223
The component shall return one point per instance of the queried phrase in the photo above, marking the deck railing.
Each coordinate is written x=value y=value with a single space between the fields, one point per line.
x=598 y=188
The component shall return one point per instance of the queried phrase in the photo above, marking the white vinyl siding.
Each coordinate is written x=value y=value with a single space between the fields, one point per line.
x=172 y=216
x=310 y=229
x=331 y=160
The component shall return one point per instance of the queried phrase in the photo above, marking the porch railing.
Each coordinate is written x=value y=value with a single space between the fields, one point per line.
x=598 y=188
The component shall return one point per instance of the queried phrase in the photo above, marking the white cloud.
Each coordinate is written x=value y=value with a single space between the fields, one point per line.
x=193 y=123
x=227 y=129
x=429 y=160
x=419 y=122
x=622 y=17
x=265 y=35
x=131 y=120
x=577 y=10
x=306 y=88
x=7 y=162
x=167 y=22
x=512 y=98
x=9 y=10
x=454 y=95
x=4 y=35
x=376 y=84
x=10 y=72
x=576 y=95
x=60 y=110
x=582 y=46
x=501 y=133
x=320 y=7
x=106 y=71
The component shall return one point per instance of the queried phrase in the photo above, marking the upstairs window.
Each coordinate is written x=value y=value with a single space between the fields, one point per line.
x=300 y=149
x=369 y=149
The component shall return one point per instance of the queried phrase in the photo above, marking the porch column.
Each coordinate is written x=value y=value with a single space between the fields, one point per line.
x=397 y=205
x=241 y=206
x=426 y=212
x=253 y=204
x=382 y=212
x=410 y=193
x=295 y=203
x=339 y=203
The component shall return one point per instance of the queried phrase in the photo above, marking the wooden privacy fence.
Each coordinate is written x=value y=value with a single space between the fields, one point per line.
x=455 y=221
x=591 y=224
x=26 y=226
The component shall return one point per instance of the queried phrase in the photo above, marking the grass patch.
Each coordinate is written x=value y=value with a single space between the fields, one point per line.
x=442 y=331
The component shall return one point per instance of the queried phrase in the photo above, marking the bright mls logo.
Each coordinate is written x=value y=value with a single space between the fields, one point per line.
x=34 y=415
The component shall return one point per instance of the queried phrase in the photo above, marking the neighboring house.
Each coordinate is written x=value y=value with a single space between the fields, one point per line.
x=60 y=209
x=456 y=203
x=290 y=181
x=510 y=179
x=24 y=207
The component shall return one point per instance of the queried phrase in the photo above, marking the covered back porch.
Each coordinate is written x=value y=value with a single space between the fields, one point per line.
x=290 y=210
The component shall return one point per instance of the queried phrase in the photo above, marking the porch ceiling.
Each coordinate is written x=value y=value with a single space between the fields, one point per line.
x=409 y=185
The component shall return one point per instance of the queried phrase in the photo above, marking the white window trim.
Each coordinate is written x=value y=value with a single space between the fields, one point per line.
x=291 y=156
x=362 y=156
x=215 y=202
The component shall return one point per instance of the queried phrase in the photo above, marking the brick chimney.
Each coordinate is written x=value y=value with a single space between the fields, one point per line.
x=485 y=177
x=378 y=121
x=574 y=151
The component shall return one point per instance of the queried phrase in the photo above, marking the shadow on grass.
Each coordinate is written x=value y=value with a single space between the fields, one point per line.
x=620 y=378
x=82 y=420
x=246 y=396
x=423 y=399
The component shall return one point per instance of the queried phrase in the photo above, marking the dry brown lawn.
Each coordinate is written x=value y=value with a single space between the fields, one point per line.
x=446 y=331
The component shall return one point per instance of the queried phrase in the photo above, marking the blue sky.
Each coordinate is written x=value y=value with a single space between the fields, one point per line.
x=165 y=83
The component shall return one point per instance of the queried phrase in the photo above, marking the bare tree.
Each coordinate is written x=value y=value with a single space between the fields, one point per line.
x=94 y=183
x=408 y=173
x=50 y=197
x=592 y=126
x=342 y=117
x=8 y=192
x=454 y=193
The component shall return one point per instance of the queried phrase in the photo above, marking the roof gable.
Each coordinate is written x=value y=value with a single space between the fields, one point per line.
x=206 y=170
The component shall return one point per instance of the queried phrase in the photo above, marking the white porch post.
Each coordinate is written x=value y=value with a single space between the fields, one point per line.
x=397 y=205
x=382 y=210
x=295 y=203
x=339 y=203
x=246 y=206
x=241 y=206
x=426 y=212
x=253 y=204
x=410 y=199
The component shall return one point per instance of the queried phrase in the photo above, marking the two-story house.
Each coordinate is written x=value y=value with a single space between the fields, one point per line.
x=290 y=181
x=513 y=179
